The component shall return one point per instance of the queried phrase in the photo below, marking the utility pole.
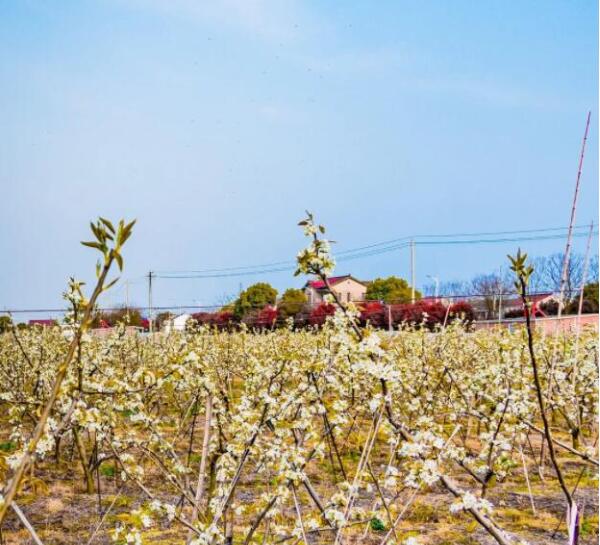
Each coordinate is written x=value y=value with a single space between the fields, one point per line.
x=150 y=302
x=412 y=271
x=565 y=266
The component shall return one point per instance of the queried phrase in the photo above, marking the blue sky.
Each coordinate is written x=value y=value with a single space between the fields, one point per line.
x=216 y=124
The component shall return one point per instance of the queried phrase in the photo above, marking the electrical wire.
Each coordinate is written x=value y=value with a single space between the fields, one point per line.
x=394 y=241
x=341 y=257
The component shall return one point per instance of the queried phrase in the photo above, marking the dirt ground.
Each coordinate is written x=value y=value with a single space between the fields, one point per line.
x=62 y=513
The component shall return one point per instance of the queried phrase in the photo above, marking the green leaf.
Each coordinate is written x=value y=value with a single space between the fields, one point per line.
x=107 y=470
x=124 y=232
x=94 y=230
x=8 y=446
x=96 y=245
x=110 y=284
x=108 y=224
x=377 y=525
x=119 y=260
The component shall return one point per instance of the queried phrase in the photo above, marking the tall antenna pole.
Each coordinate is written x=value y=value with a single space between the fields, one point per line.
x=566 y=258
x=412 y=271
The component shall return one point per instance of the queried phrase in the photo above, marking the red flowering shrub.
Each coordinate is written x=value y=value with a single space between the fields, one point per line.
x=461 y=310
x=319 y=314
x=434 y=311
x=374 y=313
x=267 y=317
x=221 y=319
x=203 y=318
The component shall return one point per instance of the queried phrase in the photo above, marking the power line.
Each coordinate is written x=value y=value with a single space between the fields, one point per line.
x=343 y=253
x=499 y=240
x=357 y=253
x=214 y=273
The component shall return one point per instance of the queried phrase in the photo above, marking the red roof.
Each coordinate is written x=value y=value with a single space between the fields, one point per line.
x=319 y=284
x=49 y=323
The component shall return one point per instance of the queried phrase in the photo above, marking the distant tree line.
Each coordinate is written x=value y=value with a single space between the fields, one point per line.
x=122 y=315
x=388 y=303
x=495 y=286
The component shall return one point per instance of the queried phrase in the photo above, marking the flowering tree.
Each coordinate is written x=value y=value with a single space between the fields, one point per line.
x=335 y=434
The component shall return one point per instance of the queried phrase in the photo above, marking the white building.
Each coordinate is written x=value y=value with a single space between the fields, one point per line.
x=177 y=323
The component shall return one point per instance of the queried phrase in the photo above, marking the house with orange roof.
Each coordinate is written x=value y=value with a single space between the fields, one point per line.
x=347 y=289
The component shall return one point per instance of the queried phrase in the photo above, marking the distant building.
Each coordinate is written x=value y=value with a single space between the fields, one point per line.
x=177 y=323
x=42 y=323
x=347 y=288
